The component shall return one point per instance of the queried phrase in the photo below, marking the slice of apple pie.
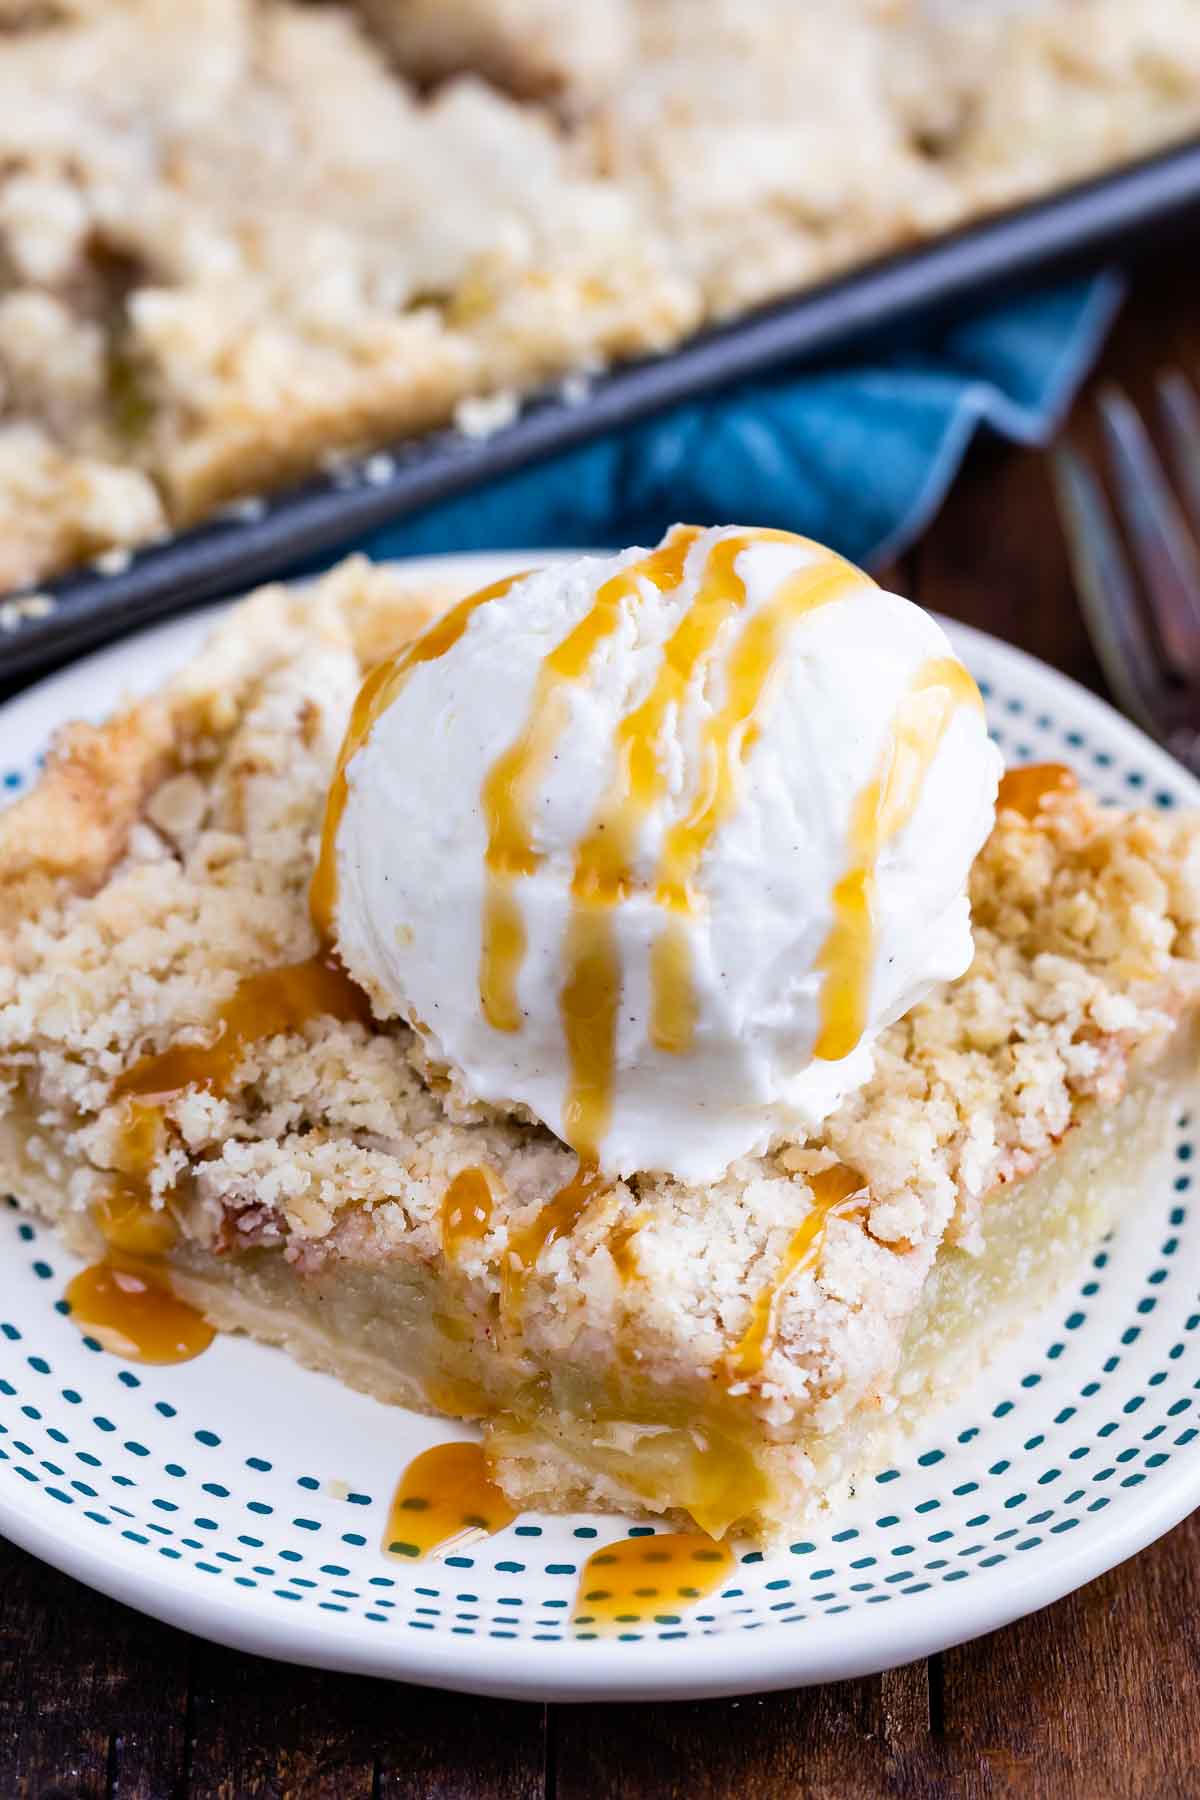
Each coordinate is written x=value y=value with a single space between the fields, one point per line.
x=202 y=1099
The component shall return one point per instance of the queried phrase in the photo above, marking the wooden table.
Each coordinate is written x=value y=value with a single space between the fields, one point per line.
x=1095 y=1697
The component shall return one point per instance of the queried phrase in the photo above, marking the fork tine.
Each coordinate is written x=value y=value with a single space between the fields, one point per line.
x=1181 y=419
x=1170 y=566
x=1106 y=593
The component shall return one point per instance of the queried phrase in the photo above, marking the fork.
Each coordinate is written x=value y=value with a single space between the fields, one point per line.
x=1145 y=626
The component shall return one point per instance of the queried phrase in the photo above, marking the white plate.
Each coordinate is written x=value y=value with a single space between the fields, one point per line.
x=244 y=1498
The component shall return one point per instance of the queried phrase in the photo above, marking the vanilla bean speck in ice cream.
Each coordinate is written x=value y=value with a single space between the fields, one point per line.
x=654 y=844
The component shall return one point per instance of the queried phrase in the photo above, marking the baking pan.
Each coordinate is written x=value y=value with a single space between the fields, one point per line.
x=896 y=298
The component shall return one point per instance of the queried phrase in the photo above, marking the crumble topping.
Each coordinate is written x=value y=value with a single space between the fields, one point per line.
x=167 y=854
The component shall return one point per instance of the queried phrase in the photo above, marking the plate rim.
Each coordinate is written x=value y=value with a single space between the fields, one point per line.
x=847 y=1646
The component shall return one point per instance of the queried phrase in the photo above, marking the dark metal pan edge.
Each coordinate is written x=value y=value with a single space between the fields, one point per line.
x=917 y=288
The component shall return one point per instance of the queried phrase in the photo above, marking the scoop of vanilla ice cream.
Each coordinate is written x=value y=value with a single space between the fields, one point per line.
x=655 y=844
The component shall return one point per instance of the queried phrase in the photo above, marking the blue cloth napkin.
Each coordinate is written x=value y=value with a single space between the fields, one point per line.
x=859 y=458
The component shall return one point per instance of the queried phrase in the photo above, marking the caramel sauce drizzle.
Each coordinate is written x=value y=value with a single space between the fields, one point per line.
x=591 y=991
x=604 y=870
x=588 y=1002
x=466 y=1210
x=509 y=787
x=1025 y=790
x=882 y=810
x=622 y=1248
x=833 y=1190
x=261 y=1006
x=381 y=687
x=556 y=1219
x=127 y=1218
x=125 y=1301
x=445 y=1497
x=729 y=738
x=130 y=1223
x=604 y=860
x=648 y=1580
x=604 y=873
x=466 y=1215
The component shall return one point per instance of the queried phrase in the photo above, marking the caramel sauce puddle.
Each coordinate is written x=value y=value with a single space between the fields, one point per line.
x=445 y=1497
x=133 y=1313
x=646 y=1581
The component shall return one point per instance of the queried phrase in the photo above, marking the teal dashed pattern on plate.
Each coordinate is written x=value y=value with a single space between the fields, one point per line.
x=263 y=1488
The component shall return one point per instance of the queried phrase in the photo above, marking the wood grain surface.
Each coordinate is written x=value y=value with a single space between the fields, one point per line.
x=1096 y=1697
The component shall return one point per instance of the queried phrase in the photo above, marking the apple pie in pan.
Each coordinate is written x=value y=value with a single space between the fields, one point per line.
x=242 y=237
